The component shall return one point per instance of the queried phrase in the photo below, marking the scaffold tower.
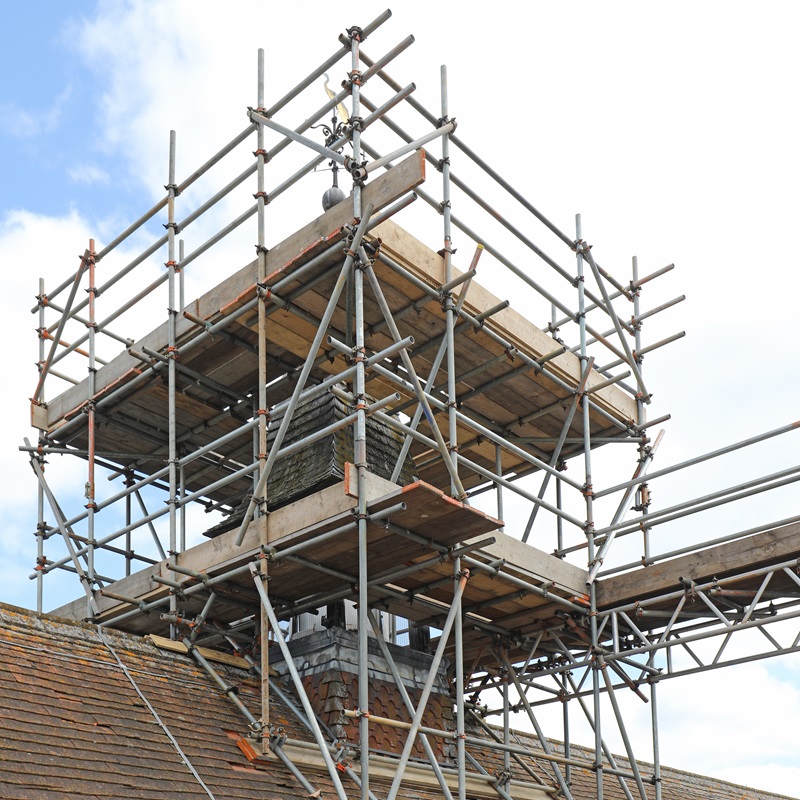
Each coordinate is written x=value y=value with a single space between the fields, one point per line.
x=354 y=433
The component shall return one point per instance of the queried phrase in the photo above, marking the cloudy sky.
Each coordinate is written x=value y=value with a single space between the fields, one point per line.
x=671 y=128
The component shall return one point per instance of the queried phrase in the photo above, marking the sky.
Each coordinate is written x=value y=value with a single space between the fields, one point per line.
x=671 y=128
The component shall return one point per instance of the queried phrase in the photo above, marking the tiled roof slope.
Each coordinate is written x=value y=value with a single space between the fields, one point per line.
x=72 y=725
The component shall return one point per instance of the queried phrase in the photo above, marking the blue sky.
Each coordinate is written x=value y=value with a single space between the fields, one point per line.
x=672 y=129
x=48 y=118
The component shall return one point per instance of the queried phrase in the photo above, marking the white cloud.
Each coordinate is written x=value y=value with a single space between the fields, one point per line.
x=17 y=123
x=22 y=123
x=88 y=174
x=31 y=245
x=674 y=140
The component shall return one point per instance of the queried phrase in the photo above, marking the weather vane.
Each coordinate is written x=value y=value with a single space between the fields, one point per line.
x=333 y=133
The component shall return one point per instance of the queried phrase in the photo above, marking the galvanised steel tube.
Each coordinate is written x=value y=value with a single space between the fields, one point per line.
x=360 y=426
x=454 y=612
x=378 y=636
x=449 y=307
x=713 y=500
x=151 y=479
x=437 y=362
x=542 y=738
x=258 y=580
x=459 y=580
x=476 y=323
x=65 y=533
x=276 y=747
x=304 y=373
x=485 y=167
x=441 y=445
x=647 y=456
x=277 y=555
x=288 y=133
x=40 y=523
x=612 y=696
x=498 y=468
x=60 y=327
x=150 y=525
x=630 y=360
x=708 y=456
x=481 y=430
x=90 y=425
x=261 y=411
x=227 y=689
x=260 y=403
x=407 y=148
x=589 y=495
x=656 y=748
x=172 y=376
x=477 y=468
x=644 y=350
x=579 y=393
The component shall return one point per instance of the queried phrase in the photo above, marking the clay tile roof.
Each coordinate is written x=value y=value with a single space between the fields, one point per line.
x=74 y=725
x=78 y=723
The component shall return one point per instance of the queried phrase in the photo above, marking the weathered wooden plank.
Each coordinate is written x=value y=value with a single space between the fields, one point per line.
x=236 y=289
x=429 y=266
x=730 y=558
x=212 y=655
x=535 y=566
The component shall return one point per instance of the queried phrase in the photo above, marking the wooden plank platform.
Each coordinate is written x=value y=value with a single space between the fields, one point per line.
x=134 y=420
x=721 y=561
x=439 y=520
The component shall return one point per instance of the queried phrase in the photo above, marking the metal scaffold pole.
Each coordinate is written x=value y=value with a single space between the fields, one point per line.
x=360 y=426
x=172 y=355
x=262 y=410
x=447 y=405
x=91 y=506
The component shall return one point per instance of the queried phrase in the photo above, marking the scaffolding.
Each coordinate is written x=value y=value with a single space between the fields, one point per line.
x=494 y=547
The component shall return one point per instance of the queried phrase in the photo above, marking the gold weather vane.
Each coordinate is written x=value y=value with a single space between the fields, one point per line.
x=334 y=195
x=341 y=110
